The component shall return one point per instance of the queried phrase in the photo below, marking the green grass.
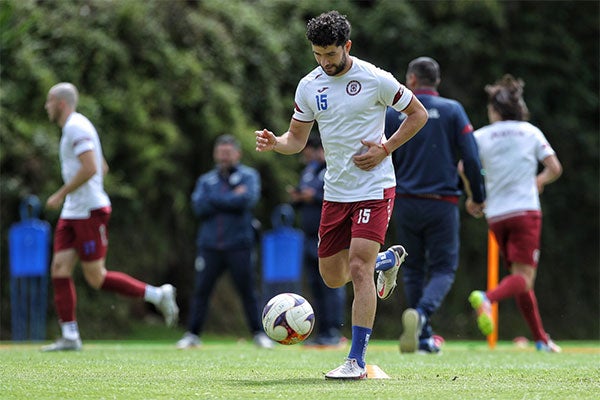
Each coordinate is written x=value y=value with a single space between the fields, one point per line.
x=237 y=370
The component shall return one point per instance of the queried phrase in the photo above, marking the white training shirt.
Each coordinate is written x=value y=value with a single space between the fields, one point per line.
x=79 y=136
x=347 y=109
x=510 y=152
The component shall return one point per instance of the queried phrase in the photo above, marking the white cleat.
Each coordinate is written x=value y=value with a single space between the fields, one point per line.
x=168 y=305
x=348 y=370
x=262 y=341
x=188 y=341
x=63 y=344
x=411 y=324
x=386 y=280
x=548 y=347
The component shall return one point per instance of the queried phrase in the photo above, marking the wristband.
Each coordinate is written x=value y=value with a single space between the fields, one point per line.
x=387 y=152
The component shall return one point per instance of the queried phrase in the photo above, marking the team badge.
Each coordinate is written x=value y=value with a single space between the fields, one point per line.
x=353 y=88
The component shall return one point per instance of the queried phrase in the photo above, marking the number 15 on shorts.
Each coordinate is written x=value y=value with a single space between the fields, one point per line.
x=364 y=214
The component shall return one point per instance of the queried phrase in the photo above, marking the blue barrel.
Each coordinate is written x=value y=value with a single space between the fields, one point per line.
x=29 y=248
x=282 y=254
x=29 y=255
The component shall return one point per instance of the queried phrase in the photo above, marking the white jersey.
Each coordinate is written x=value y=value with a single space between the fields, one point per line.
x=348 y=109
x=510 y=153
x=79 y=136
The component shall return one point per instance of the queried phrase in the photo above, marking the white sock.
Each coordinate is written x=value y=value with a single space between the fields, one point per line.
x=70 y=330
x=153 y=294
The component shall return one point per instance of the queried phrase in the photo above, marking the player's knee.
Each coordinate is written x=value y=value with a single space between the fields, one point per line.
x=334 y=280
x=94 y=281
x=94 y=276
x=527 y=272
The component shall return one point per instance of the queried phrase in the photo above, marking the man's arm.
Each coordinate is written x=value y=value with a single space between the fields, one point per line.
x=551 y=172
x=291 y=142
x=416 y=117
x=104 y=167
x=85 y=172
x=472 y=207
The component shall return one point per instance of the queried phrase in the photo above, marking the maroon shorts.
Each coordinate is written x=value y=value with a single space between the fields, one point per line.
x=340 y=222
x=89 y=237
x=518 y=237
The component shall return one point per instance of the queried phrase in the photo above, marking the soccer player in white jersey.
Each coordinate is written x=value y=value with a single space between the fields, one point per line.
x=81 y=233
x=511 y=149
x=348 y=98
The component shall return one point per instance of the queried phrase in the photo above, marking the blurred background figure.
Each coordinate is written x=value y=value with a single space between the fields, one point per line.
x=81 y=234
x=223 y=200
x=427 y=193
x=511 y=150
x=307 y=199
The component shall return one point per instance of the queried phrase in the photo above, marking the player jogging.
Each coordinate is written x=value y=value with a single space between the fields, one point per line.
x=347 y=97
x=81 y=233
x=511 y=149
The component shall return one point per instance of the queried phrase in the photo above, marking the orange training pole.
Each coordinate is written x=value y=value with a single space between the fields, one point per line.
x=492 y=282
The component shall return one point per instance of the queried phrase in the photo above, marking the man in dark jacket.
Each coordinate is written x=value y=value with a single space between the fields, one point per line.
x=223 y=200
x=427 y=194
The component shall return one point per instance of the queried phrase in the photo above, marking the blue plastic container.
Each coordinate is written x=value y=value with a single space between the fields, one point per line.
x=29 y=248
x=282 y=255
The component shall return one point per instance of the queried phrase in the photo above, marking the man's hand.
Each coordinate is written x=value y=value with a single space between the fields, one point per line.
x=265 y=140
x=55 y=201
x=371 y=158
x=475 y=209
x=240 y=189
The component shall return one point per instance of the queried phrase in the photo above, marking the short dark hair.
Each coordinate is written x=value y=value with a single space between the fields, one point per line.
x=330 y=28
x=426 y=69
x=227 y=139
x=506 y=97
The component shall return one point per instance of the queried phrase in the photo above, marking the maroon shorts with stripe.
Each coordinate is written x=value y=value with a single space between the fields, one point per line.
x=340 y=222
x=518 y=237
x=89 y=237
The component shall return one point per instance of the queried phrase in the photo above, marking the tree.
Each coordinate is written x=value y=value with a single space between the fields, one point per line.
x=162 y=79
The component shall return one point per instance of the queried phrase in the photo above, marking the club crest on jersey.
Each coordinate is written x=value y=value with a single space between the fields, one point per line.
x=353 y=88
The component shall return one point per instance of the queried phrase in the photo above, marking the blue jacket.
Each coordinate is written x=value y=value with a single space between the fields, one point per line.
x=426 y=164
x=226 y=217
x=310 y=213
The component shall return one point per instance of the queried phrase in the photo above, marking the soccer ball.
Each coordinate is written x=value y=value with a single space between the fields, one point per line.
x=288 y=318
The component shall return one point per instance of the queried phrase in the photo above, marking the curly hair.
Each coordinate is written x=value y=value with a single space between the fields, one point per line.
x=330 y=28
x=506 y=97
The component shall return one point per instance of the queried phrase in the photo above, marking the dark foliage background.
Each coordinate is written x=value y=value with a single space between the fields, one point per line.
x=161 y=79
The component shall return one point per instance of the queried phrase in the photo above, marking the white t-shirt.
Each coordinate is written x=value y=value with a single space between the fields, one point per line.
x=79 y=136
x=347 y=109
x=510 y=152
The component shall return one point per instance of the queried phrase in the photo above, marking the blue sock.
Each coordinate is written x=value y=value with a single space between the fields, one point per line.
x=385 y=260
x=360 y=340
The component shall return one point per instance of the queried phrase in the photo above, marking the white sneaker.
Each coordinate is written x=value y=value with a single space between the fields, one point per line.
x=63 y=344
x=348 y=370
x=188 y=341
x=386 y=280
x=549 y=346
x=263 y=341
x=411 y=324
x=168 y=305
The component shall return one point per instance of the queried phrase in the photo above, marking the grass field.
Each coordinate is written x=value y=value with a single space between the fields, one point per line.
x=229 y=369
